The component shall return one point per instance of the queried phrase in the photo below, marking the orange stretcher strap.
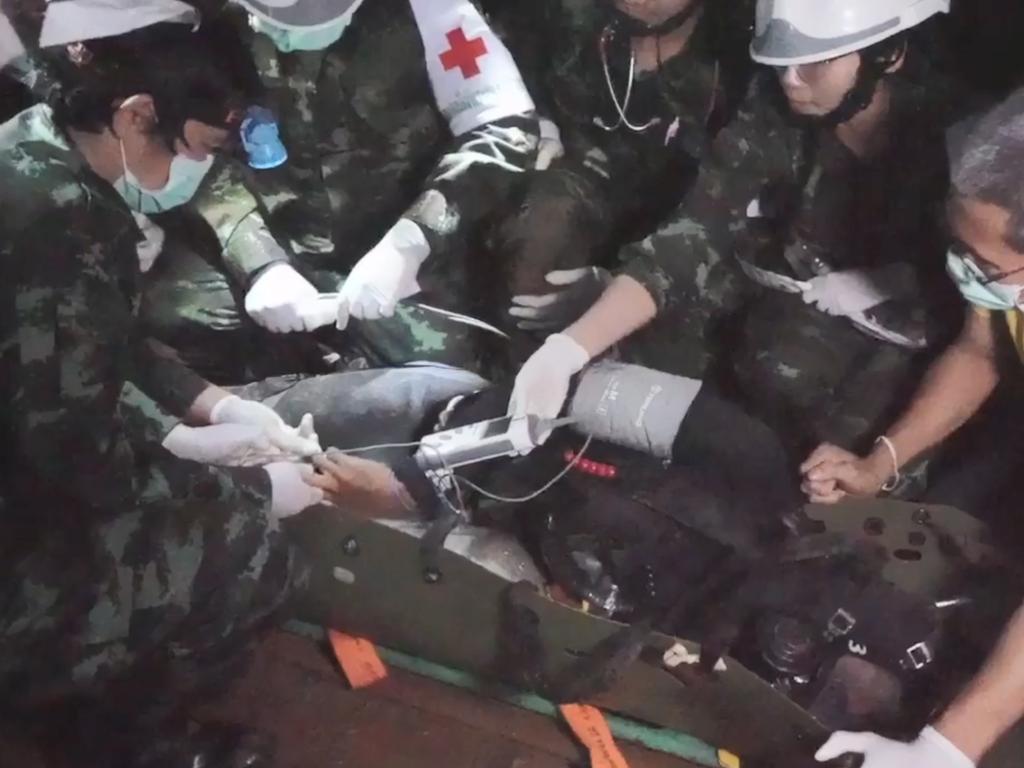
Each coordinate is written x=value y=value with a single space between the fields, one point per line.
x=358 y=659
x=590 y=727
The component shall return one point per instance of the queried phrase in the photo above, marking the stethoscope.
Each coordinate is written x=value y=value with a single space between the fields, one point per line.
x=621 y=107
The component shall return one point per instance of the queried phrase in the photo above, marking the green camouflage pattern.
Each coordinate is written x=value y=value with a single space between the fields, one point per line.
x=230 y=204
x=367 y=142
x=815 y=378
x=367 y=145
x=111 y=548
x=691 y=257
x=193 y=306
x=160 y=583
x=611 y=186
x=556 y=43
x=860 y=215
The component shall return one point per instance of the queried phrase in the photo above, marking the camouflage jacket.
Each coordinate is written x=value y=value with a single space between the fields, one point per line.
x=227 y=200
x=230 y=202
x=85 y=401
x=770 y=178
x=368 y=144
x=558 y=44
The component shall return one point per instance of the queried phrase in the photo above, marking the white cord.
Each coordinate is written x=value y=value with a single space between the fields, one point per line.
x=382 y=446
x=456 y=479
x=543 y=489
x=894 y=480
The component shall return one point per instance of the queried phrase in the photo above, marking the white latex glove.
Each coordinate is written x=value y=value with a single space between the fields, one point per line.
x=543 y=382
x=550 y=147
x=296 y=442
x=844 y=293
x=227 y=445
x=290 y=493
x=856 y=290
x=385 y=275
x=281 y=300
x=930 y=750
x=577 y=290
x=152 y=242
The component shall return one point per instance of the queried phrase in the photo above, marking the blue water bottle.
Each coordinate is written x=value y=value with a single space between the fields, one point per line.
x=262 y=139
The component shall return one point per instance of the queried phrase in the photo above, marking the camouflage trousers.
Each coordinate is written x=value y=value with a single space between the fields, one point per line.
x=162 y=587
x=193 y=306
x=815 y=377
x=576 y=213
x=697 y=336
x=157 y=588
x=356 y=409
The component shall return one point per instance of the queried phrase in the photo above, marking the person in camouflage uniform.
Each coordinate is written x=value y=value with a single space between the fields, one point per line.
x=123 y=550
x=803 y=272
x=115 y=551
x=368 y=146
x=631 y=140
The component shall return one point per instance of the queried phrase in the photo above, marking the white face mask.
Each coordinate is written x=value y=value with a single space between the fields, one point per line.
x=979 y=289
x=288 y=39
x=183 y=180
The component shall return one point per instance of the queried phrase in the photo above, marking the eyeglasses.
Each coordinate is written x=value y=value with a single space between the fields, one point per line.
x=984 y=272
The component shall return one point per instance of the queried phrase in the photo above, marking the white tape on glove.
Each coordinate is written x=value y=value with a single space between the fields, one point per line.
x=550 y=147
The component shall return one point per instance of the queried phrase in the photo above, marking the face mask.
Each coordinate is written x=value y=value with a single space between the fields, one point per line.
x=971 y=281
x=183 y=180
x=287 y=40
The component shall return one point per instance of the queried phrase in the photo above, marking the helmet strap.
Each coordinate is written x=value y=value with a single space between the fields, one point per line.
x=874 y=66
x=857 y=99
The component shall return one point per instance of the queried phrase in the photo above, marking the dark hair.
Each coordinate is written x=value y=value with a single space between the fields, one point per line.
x=169 y=62
x=987 y=162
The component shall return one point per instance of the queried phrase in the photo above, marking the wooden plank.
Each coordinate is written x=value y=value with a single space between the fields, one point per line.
x=295 y=690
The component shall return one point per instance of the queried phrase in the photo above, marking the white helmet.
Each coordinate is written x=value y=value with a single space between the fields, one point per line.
x=298 y=14
x=71 y=21
x=791 y=32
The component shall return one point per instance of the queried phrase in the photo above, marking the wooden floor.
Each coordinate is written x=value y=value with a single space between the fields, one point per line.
x=406 y=721
x=295 y=691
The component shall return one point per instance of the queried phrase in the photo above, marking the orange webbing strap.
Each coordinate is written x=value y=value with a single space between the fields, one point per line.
x=358 y=659
x=590 y=727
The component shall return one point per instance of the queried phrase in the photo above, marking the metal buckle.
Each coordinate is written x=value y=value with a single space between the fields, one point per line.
x=840 y=625
x=920 y=655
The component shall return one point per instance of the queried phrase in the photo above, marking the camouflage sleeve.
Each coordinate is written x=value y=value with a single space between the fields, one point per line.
x=160 y=372
x=757 y=149
x=83 y=424
x=477 y=175
x=35 y=72
x=228 y=204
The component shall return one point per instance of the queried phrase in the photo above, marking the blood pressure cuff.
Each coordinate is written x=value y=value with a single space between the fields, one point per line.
x=623 y=530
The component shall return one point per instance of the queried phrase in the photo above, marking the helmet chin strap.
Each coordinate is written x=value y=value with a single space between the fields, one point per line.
x=636 y=28
x=873 y=69
x=856 y=100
